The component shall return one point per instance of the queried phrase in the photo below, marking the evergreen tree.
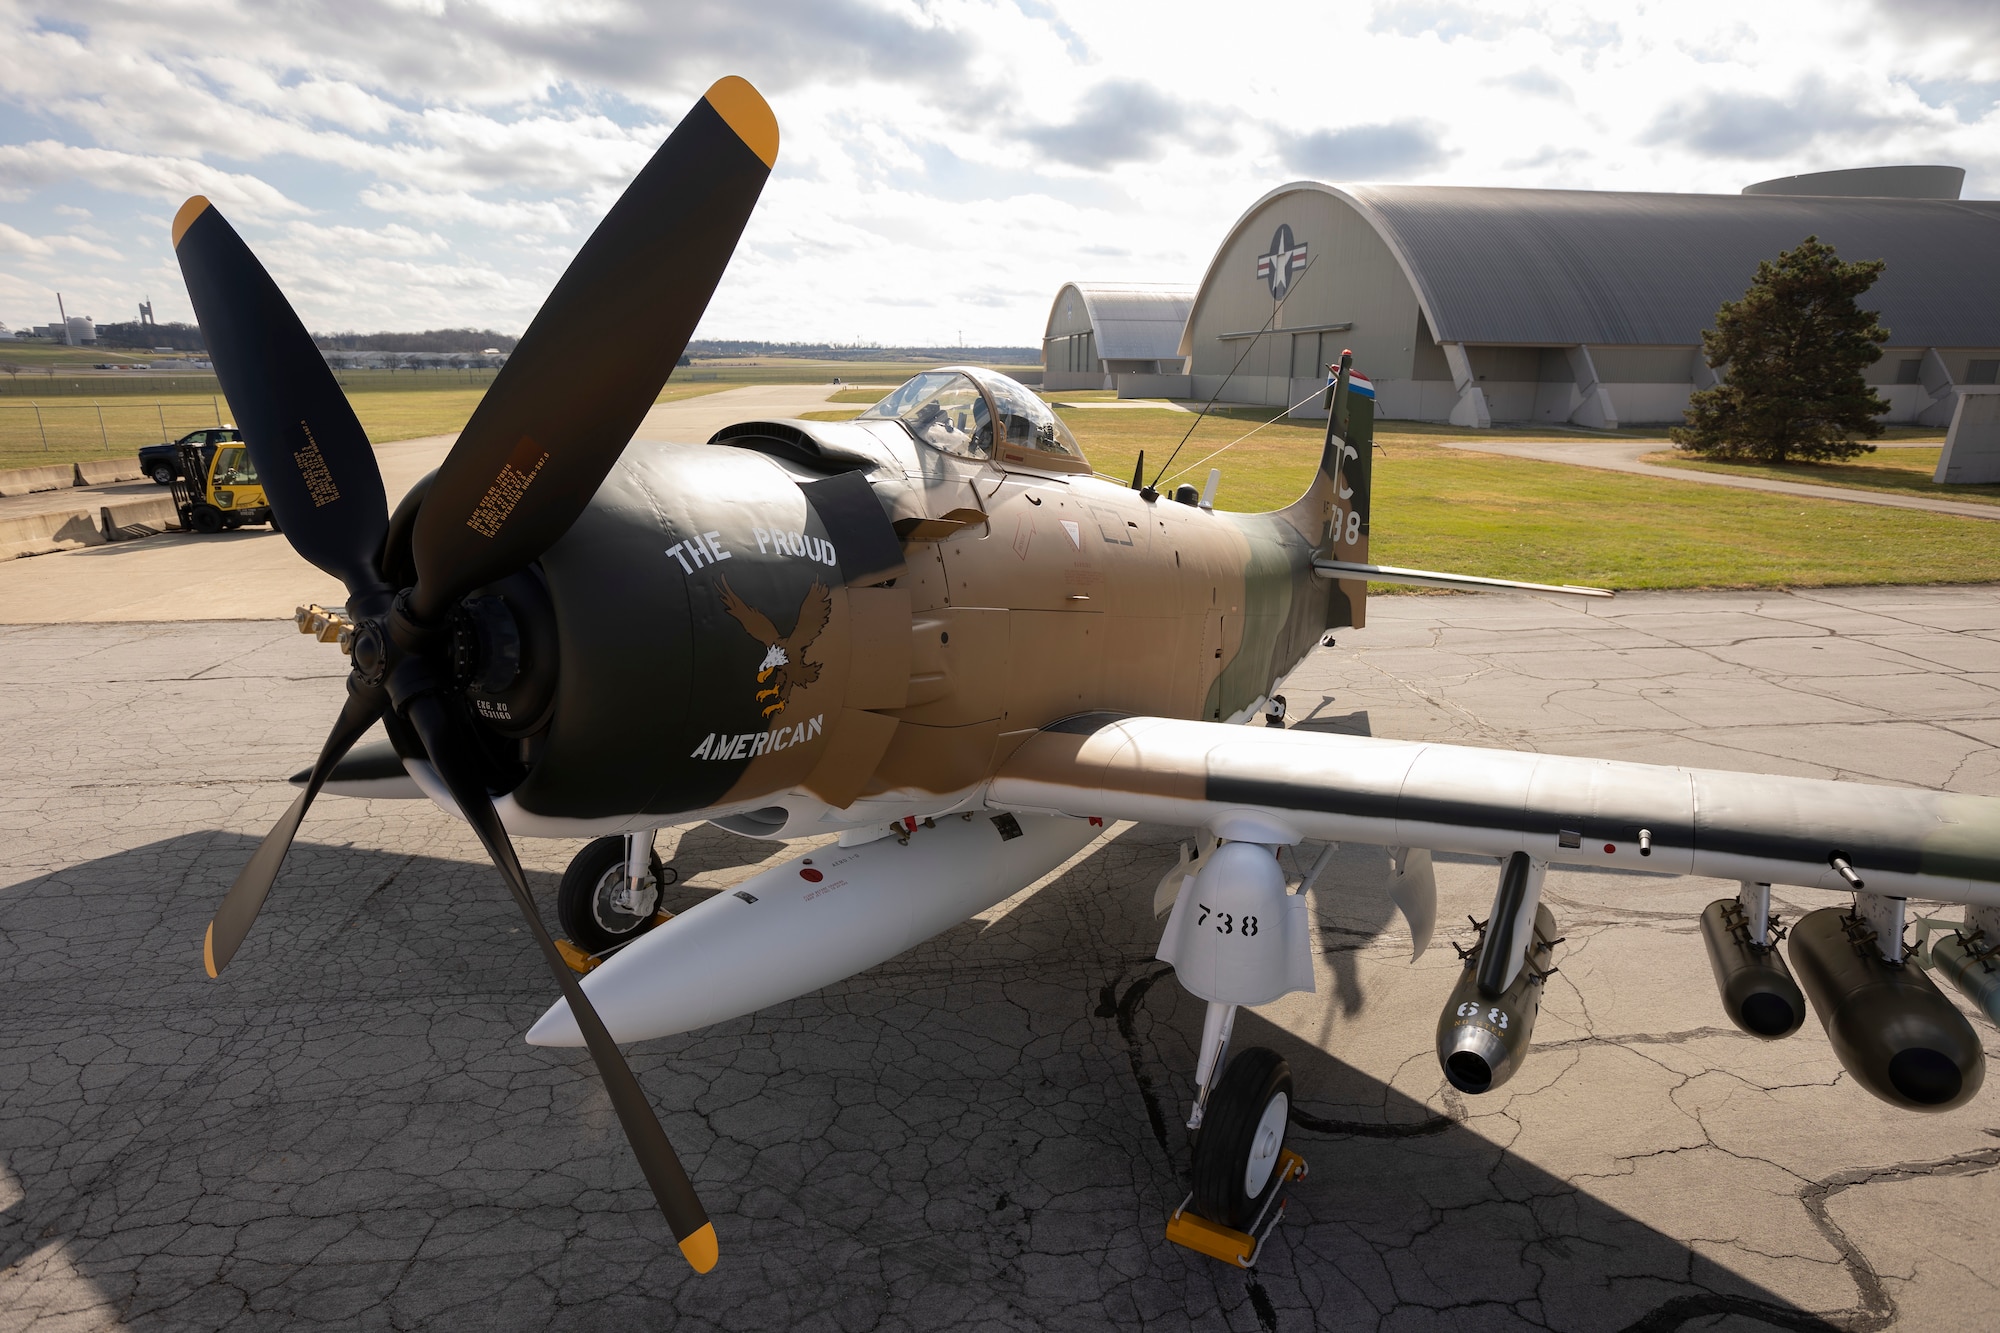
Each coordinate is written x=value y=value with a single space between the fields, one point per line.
x=1794 y=348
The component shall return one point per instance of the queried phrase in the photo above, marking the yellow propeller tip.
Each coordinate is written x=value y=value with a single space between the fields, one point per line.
x=744 y=110
x=699 y=1246
x=208 y=950
x=192 y=209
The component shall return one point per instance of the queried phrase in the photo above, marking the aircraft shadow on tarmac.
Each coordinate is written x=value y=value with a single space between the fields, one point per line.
x=348 y=1128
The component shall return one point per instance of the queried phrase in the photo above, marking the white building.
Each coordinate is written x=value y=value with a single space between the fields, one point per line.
x=1104 y=335
x=1476 y=305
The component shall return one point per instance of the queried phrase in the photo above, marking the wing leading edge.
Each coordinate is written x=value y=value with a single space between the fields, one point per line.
x=1556 y=808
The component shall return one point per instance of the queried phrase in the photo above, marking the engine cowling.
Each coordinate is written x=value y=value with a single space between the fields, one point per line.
x=1891 y=1027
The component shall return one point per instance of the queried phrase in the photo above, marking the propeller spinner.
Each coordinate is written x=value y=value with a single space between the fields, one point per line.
x=541 y=442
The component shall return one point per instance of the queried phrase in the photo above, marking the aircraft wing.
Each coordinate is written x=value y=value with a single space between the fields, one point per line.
x=1272 y=785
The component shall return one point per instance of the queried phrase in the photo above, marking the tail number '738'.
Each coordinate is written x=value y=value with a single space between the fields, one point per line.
x=1225 y=923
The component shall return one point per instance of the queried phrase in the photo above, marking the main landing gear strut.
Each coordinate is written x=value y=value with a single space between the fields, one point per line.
x=610 y=896
x=1237 y=937
x=1241 y=1164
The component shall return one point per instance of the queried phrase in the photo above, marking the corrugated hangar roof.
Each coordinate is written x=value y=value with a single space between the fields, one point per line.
x=1131 y=321
x=1555 y=267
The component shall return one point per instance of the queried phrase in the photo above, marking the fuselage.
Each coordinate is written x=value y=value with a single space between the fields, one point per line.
x=802 y=627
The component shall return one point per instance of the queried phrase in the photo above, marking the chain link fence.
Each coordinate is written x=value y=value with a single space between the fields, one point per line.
x=103 y=428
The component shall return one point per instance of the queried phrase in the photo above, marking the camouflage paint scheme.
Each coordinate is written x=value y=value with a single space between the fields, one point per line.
x=977 y=601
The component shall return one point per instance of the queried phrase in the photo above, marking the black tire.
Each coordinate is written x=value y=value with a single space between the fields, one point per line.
x=585 y=903
x=231 y=522
x=1233 y=1128
x=162 y=474
x=206 y=519
x=272 y=519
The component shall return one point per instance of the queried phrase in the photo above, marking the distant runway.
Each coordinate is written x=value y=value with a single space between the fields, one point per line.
x=347 y=1130
x=253 y=574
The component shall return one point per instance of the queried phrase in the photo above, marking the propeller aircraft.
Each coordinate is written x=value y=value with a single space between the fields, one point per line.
x=935 y=633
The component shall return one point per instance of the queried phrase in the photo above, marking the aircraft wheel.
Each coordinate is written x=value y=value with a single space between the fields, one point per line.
x=595 y=905
x=273 y=521
x=1242 y=1131
x=206 y=519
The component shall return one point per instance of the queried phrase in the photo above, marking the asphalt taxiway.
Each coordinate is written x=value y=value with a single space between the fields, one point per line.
x=347 y=1130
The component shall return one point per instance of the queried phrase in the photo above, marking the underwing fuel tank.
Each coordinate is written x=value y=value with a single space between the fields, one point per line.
x=1890 y=1025
x=1757 y=989
x=1482 y=1039
x=812 y=921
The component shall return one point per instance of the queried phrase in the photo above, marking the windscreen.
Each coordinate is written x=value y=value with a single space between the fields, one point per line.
x=942 y=408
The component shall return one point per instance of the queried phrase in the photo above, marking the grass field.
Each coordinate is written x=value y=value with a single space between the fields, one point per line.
x=1442 y=508
x=1435 y=507
x=77 y=431
x=1905 y=471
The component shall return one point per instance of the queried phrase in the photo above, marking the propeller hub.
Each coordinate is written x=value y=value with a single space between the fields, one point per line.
x=371 y=652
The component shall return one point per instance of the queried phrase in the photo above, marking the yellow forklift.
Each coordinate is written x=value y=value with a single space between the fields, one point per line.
x=218 y=489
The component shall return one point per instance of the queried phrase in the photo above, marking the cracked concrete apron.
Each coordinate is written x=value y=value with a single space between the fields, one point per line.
x=347 y=1131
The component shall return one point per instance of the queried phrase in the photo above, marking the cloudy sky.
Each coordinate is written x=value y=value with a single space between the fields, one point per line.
x=946 y=164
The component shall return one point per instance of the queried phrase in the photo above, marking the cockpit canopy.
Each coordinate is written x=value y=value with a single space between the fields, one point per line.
x=954 y=410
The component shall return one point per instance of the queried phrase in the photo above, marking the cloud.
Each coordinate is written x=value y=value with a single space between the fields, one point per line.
x=46 y=162
x=1534 y=82
x=1121 y=120
x=1970 y=20
x=14 y=241
x=416 y=163
x=1447 y=20
x=1758 y=126
x=1393 y=151
x=533 y=216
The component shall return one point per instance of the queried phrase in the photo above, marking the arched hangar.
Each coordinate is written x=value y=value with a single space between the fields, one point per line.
x=1475 y=305
x=1101 y=334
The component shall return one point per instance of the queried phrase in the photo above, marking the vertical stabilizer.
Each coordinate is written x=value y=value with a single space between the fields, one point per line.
x=1333 y=513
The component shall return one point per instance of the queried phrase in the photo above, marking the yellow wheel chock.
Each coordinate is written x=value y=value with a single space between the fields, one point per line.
x=1238 y=1248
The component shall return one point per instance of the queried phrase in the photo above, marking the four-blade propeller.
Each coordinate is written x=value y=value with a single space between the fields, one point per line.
x=542 y=441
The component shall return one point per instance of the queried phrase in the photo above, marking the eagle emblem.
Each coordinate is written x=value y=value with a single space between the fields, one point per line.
x=784 y=667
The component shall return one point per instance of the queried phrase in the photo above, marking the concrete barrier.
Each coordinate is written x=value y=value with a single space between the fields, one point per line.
x=49 y=531
x=139 y=518
x=26 y=480
x=105 y=471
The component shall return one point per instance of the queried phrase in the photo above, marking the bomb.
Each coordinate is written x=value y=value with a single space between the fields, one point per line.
x=1890 y=1025
x=1968 y=961
x=1481 y=1038
x=1756 y=987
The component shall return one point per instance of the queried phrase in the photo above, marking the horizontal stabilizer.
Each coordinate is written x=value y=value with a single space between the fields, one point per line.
x=1424 y=578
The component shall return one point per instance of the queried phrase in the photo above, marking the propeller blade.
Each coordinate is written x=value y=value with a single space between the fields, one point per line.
x=313 y=459
x=245 y=898
x=590 y=366
x=678 y=1203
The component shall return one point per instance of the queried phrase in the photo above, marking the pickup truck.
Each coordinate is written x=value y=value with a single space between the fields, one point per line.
x=162 y=462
